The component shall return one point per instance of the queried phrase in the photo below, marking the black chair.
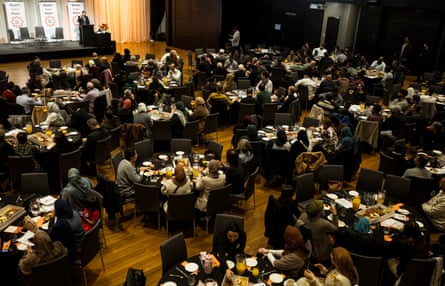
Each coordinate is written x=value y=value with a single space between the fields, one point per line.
x=102 y=153
x=436 y=89
x=282 y=119
x=220 y=106
x=369 y=269
x=238 y=134
x=59 y=268
x=115 y=141
x=245 y=109
x=116 y=159
x=310 y=121
x=277 y=163
x=187 y=100
x=179 y=144
x=150 y=56
x=215 y=148
x=148 y=199
x=76 y=62
x=162 y=131
x=418 y=272
x=221 y=223
x=40 y=32
x=67 y=161
x=95 y=195
x=268 y=115
x=304 y=94
x=24 y=33
x=422 y=189
x=59 y=34
x=55 y=64
x=202 y=79
x=181 y=207
x=243 y=83
x=370 y=99
x=173 y=251
x=35 y=183
x=90 y=248
x=369 y=180
x=248 y=191
x=295 y=110
x=218 y=202
x=12 y=38
x=191 y=131
x=397 y=189
x=115 y=69
x=144 y=149
x=258 y=148
x=387 y=164
x=328 y=173
x=305 y=185
x=17 y=166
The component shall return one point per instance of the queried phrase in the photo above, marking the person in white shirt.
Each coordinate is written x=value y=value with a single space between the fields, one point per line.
x=174 y=74
x=378 y=64
x=265 y=80
x=435 y=208
x=311 y=85
x=235 y=40
x=318 y=52
x=27 y=100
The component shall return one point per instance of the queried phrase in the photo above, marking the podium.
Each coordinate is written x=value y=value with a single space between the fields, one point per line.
x=103 y=40
x=87 y=35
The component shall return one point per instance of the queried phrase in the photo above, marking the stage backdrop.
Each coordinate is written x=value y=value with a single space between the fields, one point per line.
x=15 y=16
x=49 y=18
x=74 y=11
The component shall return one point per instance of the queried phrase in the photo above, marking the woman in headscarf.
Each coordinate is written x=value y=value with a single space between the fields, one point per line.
x=178 y=184
x=66 y=227
x=281 y=141
x=54 y=117
x=291 y=258
x=43 y=250
x=206 y=184
x=75 y=192
x=343 y=273
x=200 y=113
x=328 y=141
x=346 y=141
x=178 y=119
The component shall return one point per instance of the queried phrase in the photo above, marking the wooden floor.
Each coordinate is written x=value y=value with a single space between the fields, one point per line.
x=137 y=246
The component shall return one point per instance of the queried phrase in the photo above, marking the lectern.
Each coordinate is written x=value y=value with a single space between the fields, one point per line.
x=88 y=36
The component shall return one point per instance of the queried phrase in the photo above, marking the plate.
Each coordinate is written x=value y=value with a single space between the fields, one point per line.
x=265 y=139
x=290 y=282
x=340 y=222
x=276 y=278
x=332 y=196
x=180 y=153
x=326 y=207
x=146 y=163
x=191 y=267
x=169 y=283
x=45 y=226
x=353 y=193
x=251 y=262
x=269 y=127
x=230 y=264
x=403 y=211
x=420 y=224
x=162 y=157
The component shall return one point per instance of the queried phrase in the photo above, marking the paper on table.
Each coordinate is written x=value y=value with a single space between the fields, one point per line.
x=47 y=200
x=392 y=223
x=26 y=237
x=12 y=229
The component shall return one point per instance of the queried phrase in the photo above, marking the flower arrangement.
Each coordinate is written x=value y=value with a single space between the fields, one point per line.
x=103 y=27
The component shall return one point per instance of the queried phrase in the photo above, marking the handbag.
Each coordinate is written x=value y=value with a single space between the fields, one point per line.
x=135 y=277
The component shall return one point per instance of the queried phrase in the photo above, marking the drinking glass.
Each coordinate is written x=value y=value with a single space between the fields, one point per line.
x=381 y=197
x=356 y=202
x=240 y=264
x=191 y=280
x=35 y=208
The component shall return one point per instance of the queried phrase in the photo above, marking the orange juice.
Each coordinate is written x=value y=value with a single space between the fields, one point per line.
x=255 y=272
x=195 y=172
x=240 y=267
x=356 y=202
x=168 y=172
x=28 y=128
x=48 y=133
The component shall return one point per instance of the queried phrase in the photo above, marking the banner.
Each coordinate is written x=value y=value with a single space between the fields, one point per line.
x=48 y=15
x=74 y=11
x=15 y=16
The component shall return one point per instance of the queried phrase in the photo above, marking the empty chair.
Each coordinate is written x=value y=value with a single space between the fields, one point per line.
x=67 y=161
x=90 y=247
x=181 y=207
x=147 y=199
x=144 y=149
x=76 y=62
x=245 y=109
x=243 y=83
x=59 y=268
x=304 y=94
x=35 y=183
x=310 y=121
x=369 y=180
x=150 y=56
x=115 y=141
x=387 y=164
x=218 y=202
x=330 y=173
x=24 y=33
x=12 y=38
x=221 y=223
x=370 y=99
x=59 y=34
x=397 y=189
x=268 y=115
x=173 y=251
x=422 y=189
x=295 y=110
x=40 y=32
x=184 y=145
x=369 y=269
x=55 y=64
x=418 y=272
x=249 y=189
x=282 y=119
x=116 y=159
x=102 y=153
x=191 y=131
x=17 y=166
x=305 y=185
x=202 y=79
x=161 y=130
x=211 y=124
x=215 y=148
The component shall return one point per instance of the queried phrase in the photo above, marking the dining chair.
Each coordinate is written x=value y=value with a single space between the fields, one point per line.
x=295 y=110
x=202 y=79
x=422 y=189
x=147 y=199
x=59 y=268
x=115 y=134
x=243 y=83
x=310 y=122
x=102 y=153
x=218 y=202
x=397 y=189
x=90 y=248
x=258 y=149
x=371 y=99
x=304 y=94
x=369 y=180
x=268 y=115
x=239 y=132
x=418 y=272
x=173 y=251
x=181 y=207
x=328 y=173
x=116 y=159
x=187 y=100
x=17 y=166
x=40 y=32
x=162 y=131
x=249 y=190
x=99 y=198
x=55 y=64
x=150 y=56
x=387 y=164
x=215 y=148
x=180 y=144
x=211 y=125
x=282 y=119
x=305 y=186
x=369 y=269
x=144 y=149
x=221 y=223
x=76 y=62
x=24 y=33
x=191 y=131
x=35 y=183
x=245 y=109
x=67 y=161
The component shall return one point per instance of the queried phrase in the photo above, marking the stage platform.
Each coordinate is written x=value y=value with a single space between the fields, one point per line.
x=18 y=52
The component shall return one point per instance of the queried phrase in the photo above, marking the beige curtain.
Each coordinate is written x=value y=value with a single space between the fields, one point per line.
x=128 y=21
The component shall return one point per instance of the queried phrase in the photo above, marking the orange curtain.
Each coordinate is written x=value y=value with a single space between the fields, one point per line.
x=128 y=21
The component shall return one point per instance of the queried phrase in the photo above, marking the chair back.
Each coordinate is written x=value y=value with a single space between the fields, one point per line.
x=202 y=79
x=305 y=185
x=238 y=134
x=147 y=198
x=250 y=185
x=397 y=188
x=116 y=159
x=418 y=272
x=407 y=132
x=330 y=172
x=218 y=201
x=191 y=131
x=40 y=32
x=295 y=110
x=173 y=251
x=422 y=189
x=268 y=115
x=24 y=33
x=180 y=144
x=67 y=161
x=115 y=138
x=187 y=100
x=59 y=33
x=35 y=183
x=103 y=150
x=258 y=148
x=216 y=148
x=59 y=269
x=282 y=119
x=115 y=69
x=310 y=121
x=387 y=164
x=144 y=149
x=221 y=223
x=304 y=94
x=243 y=83
x=19 y=165
x=55 y=64
x=161 y=130
x=181 y=207
x=150 y=56
x=369 y=269
x=76 y=62
x=90 y=245
x=371 y=99
x=369 y=180
x=245 y=109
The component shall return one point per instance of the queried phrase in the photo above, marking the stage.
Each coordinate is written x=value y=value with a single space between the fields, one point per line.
x=26 y=51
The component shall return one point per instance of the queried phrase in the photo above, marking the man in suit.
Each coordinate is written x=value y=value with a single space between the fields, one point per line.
x=82 y=20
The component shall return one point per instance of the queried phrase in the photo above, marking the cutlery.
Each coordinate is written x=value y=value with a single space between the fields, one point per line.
x=176 y=275
x=182 y=272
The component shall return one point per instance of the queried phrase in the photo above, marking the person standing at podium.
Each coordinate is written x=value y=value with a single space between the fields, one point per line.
x=82 y=20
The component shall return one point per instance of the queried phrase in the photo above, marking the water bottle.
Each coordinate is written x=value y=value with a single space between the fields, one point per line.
x=208 y=264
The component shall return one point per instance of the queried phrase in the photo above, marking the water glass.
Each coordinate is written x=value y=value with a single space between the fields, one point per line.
x=35 y=208
x=191 y=280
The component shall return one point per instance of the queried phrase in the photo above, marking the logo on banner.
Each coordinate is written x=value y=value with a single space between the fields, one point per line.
x=17 y=21
x=50 y=21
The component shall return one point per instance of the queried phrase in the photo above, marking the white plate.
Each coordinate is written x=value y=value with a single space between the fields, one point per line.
x=353 y=193
x=286 y=283
x=420 y=224
x=251 y=262
x=403 y=211
x=22 y=247
x=332 y=196
x=169 y=283
x=162 y=157
x=45 y=226
x=326 y=207
x=269 y=127
x=340 y=222
x=146 y=163
x=180 y=153
x=230 y=264
x=265 y=139
x=276 y=278
x=191 y=267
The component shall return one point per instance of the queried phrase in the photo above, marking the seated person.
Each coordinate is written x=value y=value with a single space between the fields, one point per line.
x=23 y=147
x=328 y=141
x=281 y=142
x=230 y=242
x=200 y=112
x=110 y=120
x=244 y=150
x=178 y=119
x=90 y=214
x=75 y=192
x=434 y=209
x=89 y=147
x=419 y=170
x=126 y=174
x=206 y=184
x=288 y=99
x=375 y=114
x=433 y=137
x=234 y=172
x=249 y=97
x=291 y=258
x=54 y=117
x=178 y=184
x=229 y=83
